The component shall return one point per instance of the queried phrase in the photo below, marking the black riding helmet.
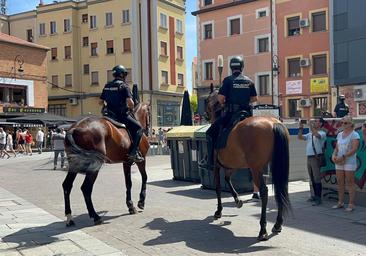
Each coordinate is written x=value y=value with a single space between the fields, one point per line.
x=341 y=97
x=119 y=71
x=236 y=63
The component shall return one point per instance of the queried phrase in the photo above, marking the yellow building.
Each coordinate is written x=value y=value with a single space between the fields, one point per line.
x=88 y=38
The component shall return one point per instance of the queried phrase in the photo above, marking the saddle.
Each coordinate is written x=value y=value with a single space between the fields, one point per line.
x=111 y=117
x=234 y=120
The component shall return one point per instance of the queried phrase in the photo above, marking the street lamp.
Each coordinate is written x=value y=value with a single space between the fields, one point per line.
x=20 y=60
x=275 y=65
x=220 y=66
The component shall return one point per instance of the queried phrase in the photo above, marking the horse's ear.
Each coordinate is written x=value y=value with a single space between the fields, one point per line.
x=211 y=88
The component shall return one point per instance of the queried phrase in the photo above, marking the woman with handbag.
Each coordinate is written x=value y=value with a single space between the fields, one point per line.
x=344 y=157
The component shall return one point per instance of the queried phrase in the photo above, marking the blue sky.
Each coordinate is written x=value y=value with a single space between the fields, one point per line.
x=15 y=6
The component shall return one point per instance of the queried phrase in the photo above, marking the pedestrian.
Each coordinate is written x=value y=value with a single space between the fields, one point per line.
x=3 y=143
x=341 y=109
x=39 y=140
x=344 y=157
x=314 y=146
x=28 y=142
x=9 y=143
x=19 y=141
x=58 y=147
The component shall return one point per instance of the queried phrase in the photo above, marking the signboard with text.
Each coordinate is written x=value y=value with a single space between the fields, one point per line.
x=319 y=85
x=23 y=110
x=294 y=87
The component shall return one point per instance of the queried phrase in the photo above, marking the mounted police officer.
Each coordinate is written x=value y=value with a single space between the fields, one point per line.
x=236 y=94
x=341 y=109
x=118 y=98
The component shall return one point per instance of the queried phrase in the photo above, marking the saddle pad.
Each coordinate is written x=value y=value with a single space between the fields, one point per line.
x=114 y=122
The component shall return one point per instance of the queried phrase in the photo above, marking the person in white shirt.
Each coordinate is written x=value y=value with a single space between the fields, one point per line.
x=39 y=140
x=3 y=143
x=9 y=143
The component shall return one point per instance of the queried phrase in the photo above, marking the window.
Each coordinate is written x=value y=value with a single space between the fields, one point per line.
x=262 y=13
x=320 y=64
x=126 y=44
x=57 y=109
x=67 y=25
x=207 y=28
x=163 y=48
x=180 y=79
x=235 y=26
x=179 y=26
x=84 y=18
x=68 y=80
x=29 y=35
x=164 y=77
x=207 y=2
x=163 y=20
x=94 y=49
x=86 y=69
x=85 y=41
x=109 y=76
x=293 y=109
x=54 y=53
x=110 y=49
x=68 y=52
x=208 y=69
x=94 y=78
x=263 y=86
x=53 y=27
x=42 y=29
x=293 y=26
x=108 y=19
x=180 y=52
x=93 y=21
x=125 y=16
x=54 y=81
x=263 y=45
x=320 y=105
x=293 y=67
x=319 y=21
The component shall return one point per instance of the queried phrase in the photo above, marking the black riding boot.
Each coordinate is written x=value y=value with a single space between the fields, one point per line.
x=210 y=152
x=134 y=155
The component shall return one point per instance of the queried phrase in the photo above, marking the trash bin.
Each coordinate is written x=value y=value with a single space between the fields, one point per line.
x=241 y=179
x=183 y=153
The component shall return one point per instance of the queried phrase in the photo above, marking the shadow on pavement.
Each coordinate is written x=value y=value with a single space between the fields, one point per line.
x=40 y=235
x=171 y=183
x=198 y=193
x=203 y=235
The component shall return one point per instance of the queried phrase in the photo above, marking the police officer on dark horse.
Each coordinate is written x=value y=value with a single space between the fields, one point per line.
x=236 y=93
x=118 y=99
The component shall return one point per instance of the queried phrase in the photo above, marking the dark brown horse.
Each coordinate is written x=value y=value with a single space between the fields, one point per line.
x=93 y=141
x=253 y=143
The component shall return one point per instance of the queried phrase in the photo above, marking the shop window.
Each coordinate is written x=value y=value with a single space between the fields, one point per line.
x=320 y=105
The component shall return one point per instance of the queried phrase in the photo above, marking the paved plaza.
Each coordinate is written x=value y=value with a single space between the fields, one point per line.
x=177 y=219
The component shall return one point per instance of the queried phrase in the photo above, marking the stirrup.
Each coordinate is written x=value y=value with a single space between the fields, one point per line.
x=136 y=158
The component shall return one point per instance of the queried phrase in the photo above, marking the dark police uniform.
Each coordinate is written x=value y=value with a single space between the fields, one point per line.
x=341 y=109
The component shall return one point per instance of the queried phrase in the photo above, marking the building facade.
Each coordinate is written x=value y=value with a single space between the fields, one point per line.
x=88 y=38
x=23 y=76
x=234 y=28
x=303 y=53
x=348 y=52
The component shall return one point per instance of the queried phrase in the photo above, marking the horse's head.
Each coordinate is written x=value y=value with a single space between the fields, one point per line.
x=213 y=106
x=142 y=114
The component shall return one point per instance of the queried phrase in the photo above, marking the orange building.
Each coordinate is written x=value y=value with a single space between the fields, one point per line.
x=234 y=28
x=303 y=53
x=23 y=76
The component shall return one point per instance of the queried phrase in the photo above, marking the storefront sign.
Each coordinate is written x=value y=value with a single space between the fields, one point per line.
x=319 y=85
x=294 y=87
x=23 y=110
x=266 y=110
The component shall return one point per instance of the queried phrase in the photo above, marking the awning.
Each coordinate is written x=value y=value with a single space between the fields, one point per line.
x=45 y=119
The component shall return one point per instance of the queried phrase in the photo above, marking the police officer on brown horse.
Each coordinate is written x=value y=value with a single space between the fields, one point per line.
x=118 y=98
x=236 y=94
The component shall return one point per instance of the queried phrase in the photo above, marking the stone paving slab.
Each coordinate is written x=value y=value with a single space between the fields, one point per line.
x=27 y=230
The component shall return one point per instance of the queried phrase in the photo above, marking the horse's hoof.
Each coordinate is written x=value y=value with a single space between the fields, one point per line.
x=70 y=223
x=276 y=229
x=132 y=210
x=217 y=215
x=262 y=237
x=239 y=203
x=98 y=220
x=141 y=205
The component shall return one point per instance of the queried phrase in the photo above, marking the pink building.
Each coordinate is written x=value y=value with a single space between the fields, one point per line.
x=234 y=28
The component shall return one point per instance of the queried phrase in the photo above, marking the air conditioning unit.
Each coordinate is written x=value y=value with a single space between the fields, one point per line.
x=305 y=103
x=304 y=23
x=358 y=93
x=73 y=101
x=304 y=62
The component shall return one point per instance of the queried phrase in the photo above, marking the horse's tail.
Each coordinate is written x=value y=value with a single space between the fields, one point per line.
x=280 y=166
x=81 y=160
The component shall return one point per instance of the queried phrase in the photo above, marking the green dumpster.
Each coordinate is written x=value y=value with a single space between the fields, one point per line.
x=241 y=179
x=183 y=153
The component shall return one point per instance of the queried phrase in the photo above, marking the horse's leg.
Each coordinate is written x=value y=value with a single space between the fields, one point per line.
x=87 y=189
x=67 y=186
x=228 y=173
x=128 y=181
x=142 y=166
x=263 y=190
x=218 y=212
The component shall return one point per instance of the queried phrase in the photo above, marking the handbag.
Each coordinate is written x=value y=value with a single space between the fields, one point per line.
x=319 y=157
